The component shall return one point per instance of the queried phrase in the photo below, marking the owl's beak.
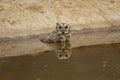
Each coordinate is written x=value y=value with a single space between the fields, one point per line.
x=63 y=32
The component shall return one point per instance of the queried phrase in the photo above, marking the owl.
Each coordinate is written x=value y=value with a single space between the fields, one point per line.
x=61 y=33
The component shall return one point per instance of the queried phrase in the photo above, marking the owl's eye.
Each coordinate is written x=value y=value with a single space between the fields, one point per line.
x=66 y=27
x=66 y=55
x=60 y=27
x=60 y=55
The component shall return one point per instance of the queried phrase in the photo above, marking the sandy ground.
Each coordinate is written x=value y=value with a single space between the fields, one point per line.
x=33 y=17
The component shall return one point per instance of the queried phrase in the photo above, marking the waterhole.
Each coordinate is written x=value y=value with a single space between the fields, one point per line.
x=85 y=63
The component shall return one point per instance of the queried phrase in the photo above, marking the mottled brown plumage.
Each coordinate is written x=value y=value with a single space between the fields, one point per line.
x=61 y=33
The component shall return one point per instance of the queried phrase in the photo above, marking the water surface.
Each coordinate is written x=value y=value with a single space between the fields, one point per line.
x=85 y=63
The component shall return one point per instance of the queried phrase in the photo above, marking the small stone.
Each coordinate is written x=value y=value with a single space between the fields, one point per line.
x=34 y=63
x=1 y=8
x=38 y=79
x=104 y=62
x=117 y=67
x=45 y=65
x=103 y=65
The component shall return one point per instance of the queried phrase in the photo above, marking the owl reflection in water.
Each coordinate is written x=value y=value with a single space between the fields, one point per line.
x=63 y=50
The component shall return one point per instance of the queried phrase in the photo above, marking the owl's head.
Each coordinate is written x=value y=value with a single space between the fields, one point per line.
x=63 y=28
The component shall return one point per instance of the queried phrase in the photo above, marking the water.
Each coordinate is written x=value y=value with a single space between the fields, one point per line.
x=86 y=63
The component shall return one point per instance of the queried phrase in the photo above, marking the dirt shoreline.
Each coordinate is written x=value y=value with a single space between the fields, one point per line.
x=32 y=45
x=74 y=32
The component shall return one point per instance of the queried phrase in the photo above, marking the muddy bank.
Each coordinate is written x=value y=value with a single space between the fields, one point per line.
x=74 y=32
x=32 y=44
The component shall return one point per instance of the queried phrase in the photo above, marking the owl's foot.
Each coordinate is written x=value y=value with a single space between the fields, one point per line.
x=46 y=41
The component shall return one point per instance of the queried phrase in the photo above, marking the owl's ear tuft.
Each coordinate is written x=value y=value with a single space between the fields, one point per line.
x=57 y=24
x=69 y=28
